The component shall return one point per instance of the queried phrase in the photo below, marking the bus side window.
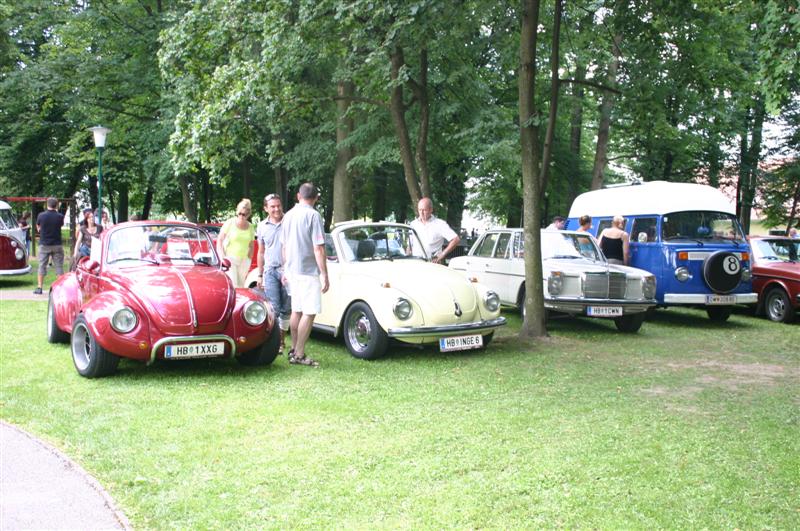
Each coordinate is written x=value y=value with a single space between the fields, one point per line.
x=644 y=230
x=602 y=225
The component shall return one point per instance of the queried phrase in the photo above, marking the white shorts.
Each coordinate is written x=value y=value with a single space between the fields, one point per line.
x=306 y=293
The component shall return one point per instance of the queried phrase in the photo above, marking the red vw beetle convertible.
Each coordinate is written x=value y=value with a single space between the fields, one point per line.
x=157 y=290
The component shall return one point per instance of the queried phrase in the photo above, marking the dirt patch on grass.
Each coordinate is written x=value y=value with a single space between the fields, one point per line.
x=733 y=377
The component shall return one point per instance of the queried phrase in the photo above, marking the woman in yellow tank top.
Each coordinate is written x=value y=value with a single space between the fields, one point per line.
x=235 y=242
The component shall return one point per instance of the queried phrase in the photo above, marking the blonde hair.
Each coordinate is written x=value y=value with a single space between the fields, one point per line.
x=244 y=204
x=619 y=221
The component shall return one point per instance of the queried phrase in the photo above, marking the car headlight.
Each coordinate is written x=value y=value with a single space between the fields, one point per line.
x=746 y=275
x=492 y=301
x=124 y=320
x=682 y=274
x=402 y=309
x=555 y=283
x=649 y=286
x=254 y=313
x=19 y=254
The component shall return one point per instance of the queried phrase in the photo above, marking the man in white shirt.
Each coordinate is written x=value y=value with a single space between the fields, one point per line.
x=434 y=232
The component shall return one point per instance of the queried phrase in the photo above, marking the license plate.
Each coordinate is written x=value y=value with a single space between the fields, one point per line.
x=447 y=344
x=194 y=350
x=604 y=311
x=720 y=299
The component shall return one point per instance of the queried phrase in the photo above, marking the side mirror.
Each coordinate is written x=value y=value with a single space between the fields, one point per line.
x=226 y=264
x=89 y=265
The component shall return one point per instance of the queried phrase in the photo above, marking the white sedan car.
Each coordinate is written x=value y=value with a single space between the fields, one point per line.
x=578 y=279
x=382 y=288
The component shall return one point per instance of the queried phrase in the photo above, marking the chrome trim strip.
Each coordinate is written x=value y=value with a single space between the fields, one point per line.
x=191 y=339
x=189 y=296
x=700 y=298
x=580 y=308
x=419 y=331
x=9 y=272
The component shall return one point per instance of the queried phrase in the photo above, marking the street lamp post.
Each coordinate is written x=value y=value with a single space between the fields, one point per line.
x=99 y=133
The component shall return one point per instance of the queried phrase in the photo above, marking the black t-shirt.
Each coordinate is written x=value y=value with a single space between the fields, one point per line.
x=50 y=223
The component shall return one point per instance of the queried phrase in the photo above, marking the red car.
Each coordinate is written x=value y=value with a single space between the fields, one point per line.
x=157 y=290
x=776 y=276
x=13 y=254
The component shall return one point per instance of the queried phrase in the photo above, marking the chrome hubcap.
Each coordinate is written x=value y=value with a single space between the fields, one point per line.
x=81 y=347
x=359 y=331
x=777 y=309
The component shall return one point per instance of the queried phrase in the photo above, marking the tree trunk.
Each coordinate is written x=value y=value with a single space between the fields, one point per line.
x=246 y=177
x=342 y=181
x=534 y=324
x=421 y=92
x=601 y=152
x=281 y=185
x=754 y=157
x=378 y=211
x=122 y=208
x=554 y=88
x=576 y=130
x=148 y=199
x=189 y=207
x=398 y=112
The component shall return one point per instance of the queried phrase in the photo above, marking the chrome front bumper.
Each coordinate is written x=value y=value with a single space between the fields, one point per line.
x=579 y=306
x=446 y=330
x=700 y=298
x=10 y=272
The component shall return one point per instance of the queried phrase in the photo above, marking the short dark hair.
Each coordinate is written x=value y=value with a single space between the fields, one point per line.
x=270 y=197
x=52 y=202
x=308 y=191
x=557 y=219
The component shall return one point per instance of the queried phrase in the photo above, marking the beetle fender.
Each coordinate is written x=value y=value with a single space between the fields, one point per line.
x=65 y=294
x=98 y=312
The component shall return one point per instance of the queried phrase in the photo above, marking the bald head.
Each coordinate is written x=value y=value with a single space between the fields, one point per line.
x=425 y=208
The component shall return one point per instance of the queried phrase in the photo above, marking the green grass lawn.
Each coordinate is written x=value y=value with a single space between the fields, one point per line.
x=688 y=424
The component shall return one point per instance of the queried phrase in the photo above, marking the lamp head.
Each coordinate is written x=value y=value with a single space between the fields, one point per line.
x=99 y=133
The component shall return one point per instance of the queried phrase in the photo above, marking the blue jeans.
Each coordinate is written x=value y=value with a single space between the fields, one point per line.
x=276 y=292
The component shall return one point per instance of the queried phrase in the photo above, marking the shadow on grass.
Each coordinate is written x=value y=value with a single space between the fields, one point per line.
x=674 y=318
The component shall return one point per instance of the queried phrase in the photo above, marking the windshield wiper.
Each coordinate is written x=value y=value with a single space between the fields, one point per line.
x=669 y=238
x=563 y=256
x=132 y=259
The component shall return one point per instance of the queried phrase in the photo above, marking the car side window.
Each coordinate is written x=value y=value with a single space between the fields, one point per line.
x=644 y=230
x=330 y=249
x=487 y=245
x=519 y=246
x=602 y=225
x=501 y=250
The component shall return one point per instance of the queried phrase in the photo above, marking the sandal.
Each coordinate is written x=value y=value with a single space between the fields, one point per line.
x=305 y=360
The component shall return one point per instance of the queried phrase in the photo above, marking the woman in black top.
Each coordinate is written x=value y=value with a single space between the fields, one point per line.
x=614 y=242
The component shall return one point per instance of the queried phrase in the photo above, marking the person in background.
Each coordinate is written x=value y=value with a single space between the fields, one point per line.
x=305 y=269
x=88 y=230
x=106 y=222
x=615 y=242
x=434 y=232
x=585 y=223
x=48 y=225
x=557 y=224
x=235 y=242
x=793 y=233
x=270 y=262
x=26 y=229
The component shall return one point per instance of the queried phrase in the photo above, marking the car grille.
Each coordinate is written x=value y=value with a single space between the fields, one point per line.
x=604 y=285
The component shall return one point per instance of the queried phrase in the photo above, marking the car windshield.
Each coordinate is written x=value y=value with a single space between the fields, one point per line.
x=783 y=250
x=380 y=242
x=565 y=245
x=179 y=244
x=701 y=226
x=7 y=219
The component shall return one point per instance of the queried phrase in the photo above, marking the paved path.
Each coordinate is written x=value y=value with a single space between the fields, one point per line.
x=41 y=488
x=21 y=295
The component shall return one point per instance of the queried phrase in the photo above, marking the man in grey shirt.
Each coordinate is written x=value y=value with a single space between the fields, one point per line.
x=305 y=269
x=270 y=262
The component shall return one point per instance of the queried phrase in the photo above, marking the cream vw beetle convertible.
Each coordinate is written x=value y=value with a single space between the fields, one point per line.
x=577 y=278
x=383 y=287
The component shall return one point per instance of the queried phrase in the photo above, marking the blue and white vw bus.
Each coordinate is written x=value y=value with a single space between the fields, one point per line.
x=686 y=234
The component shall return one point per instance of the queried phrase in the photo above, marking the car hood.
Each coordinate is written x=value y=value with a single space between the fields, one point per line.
x=578 y=266
x=435 y=288
x=786 y=270
x=171 y=295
